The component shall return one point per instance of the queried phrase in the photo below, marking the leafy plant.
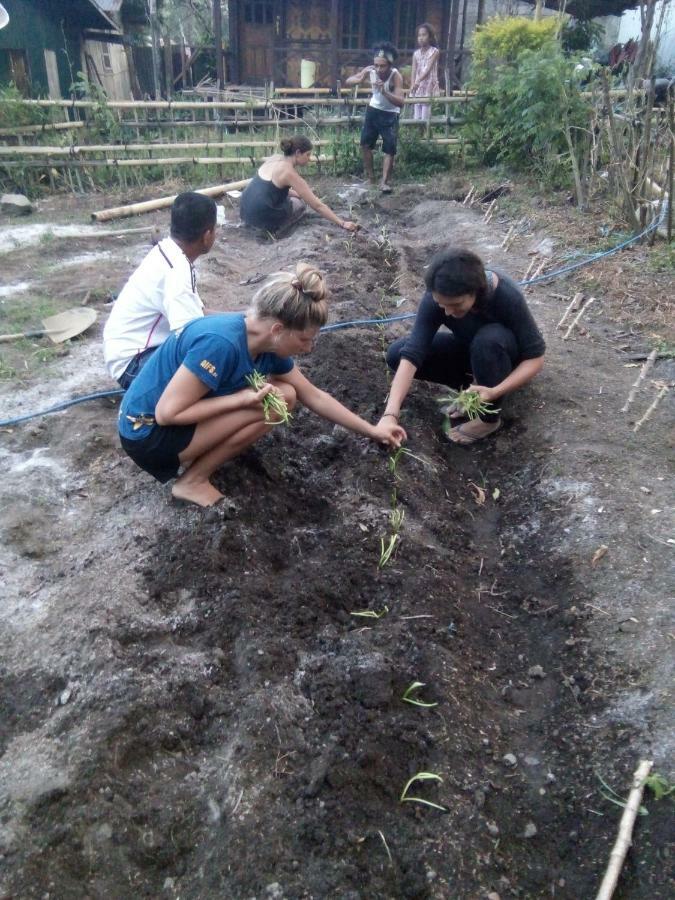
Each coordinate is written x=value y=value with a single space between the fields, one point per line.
x=421 y=776
x=659 y=786
x=529 y=110
x=503 y=38
x=469 y=403
x=396 y=456
x=396 y=517
x=387 y=547
x=273 y=403
x=410 y=690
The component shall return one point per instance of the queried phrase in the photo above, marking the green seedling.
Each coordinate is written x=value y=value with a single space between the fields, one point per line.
x=370 y=613
x=659 y=786
x=408 y=698
x=470 y=403
x=387 y=547
x=395 y=457
x=273 y=403
x=396 y=517
x=421 y=776
x=617 y=799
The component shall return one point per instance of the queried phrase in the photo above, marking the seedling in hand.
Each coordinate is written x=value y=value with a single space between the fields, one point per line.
x=421 y=776
x=408 y=698
x=469 y=403
x=272 y=403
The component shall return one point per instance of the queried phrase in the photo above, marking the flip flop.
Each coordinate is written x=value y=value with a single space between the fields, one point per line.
x=459 y=436
x=386 y=188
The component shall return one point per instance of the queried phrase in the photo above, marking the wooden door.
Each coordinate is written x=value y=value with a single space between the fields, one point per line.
x=52 y=75
x=257 y=41
x=19 y=68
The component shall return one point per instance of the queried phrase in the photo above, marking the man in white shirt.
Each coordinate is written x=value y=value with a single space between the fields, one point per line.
x=161 y=295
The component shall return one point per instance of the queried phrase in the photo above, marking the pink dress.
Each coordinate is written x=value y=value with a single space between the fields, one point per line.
x=426 y=75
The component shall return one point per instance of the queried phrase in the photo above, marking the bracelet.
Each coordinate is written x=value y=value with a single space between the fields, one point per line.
x=393 y=415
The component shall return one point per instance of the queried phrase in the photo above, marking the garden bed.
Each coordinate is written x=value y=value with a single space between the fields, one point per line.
x=190 y=707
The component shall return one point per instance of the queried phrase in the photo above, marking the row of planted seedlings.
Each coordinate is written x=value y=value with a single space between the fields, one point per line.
x=467 y=403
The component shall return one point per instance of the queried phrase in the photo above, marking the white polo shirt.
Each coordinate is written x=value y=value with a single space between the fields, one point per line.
x=160 y=297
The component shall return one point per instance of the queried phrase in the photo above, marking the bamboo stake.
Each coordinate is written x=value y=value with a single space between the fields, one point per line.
x=574 y=305
x=577 y=318
x=489 y=210
x=222 y=104
x=531 y=266
x=624 y=837
x=509 y=234
x=648 y=363
x=134 y=209
x=663 y=390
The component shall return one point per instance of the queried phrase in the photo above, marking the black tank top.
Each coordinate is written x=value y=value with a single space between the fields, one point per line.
x=264 y=205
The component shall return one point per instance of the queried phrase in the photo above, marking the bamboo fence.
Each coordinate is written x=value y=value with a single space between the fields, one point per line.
x=181 y=135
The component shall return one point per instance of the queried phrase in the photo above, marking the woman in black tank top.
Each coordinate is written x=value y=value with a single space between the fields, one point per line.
x=278 y=195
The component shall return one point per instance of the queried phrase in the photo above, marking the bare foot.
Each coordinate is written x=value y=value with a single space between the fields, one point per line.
x=201 y=493
x=473 y=431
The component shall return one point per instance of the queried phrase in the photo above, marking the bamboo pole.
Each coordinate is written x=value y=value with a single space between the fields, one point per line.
x=38 y=129
x=577 y=318
x=133 y=209
x=78 y=149
x=115 y=163
x=574 y=305
x=662 y=389
x=624 y=837
x=646 y=366
x=223 y=104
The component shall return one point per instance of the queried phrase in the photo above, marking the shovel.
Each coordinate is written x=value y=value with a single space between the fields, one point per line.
x=59 y=328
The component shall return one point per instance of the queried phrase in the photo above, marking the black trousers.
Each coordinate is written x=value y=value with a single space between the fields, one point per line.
x=490 y=357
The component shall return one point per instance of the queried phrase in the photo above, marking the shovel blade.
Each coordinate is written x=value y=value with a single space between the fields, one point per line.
x=68 y=324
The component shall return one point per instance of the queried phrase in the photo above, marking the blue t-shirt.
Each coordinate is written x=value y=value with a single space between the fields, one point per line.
x=213 y=348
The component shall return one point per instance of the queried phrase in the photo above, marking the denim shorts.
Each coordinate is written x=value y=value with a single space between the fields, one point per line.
x=157 y=454
x=380 y=123
x=135 y=365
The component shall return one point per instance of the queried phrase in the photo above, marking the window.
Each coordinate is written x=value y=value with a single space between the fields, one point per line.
x=408 y=19
x=259 y=12
x=106 y=60
x=351 y=25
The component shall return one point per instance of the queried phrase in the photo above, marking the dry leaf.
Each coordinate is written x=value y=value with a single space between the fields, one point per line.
x=599 y=553
x=479 y=494
x=496 y=494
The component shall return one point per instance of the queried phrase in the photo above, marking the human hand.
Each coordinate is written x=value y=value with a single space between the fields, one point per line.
x=486 y=393
x=254 y=398
x=350 y=226
x=389 y=432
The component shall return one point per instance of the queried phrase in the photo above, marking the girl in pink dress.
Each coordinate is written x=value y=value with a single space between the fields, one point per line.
x=424 y=77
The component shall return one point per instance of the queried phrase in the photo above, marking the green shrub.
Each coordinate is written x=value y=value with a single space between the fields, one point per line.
x=527 y=112
x=502 y=39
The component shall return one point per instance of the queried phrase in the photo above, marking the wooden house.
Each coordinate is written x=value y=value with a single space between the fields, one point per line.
x=270 y=38
x=42 y=46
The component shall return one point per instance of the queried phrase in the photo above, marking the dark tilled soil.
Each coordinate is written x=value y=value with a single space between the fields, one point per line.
x=190 y=707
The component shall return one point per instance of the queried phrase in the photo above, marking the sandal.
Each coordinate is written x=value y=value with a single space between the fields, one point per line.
x=469 y=433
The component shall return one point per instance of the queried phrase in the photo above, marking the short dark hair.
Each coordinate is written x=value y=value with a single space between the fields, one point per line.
x=387 y=50
x=456 y=271
x=296 y=143
x=191 y=215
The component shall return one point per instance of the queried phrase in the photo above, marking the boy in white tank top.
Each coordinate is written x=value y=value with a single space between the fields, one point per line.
x=383 y=111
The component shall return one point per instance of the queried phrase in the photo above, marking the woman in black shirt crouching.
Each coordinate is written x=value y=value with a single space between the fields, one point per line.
x=490 y=344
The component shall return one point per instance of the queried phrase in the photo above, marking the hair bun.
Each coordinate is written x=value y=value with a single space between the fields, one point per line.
x=310 y=281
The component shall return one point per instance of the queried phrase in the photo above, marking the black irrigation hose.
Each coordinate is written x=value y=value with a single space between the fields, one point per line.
x=7 y=423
